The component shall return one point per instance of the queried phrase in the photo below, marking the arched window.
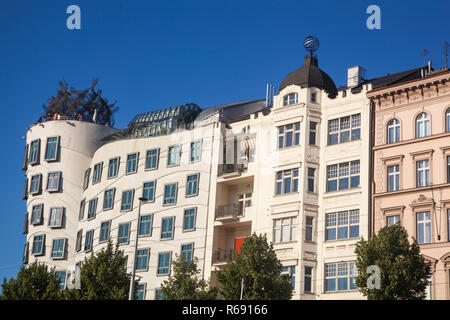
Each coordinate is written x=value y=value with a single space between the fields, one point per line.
x=422 y=125
x=447 y=120
x=393 y=131
x=290 y=99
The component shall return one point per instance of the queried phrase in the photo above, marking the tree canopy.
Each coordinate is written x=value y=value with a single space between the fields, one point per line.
x=403 y=270
x=35 y=282
x=184 y=283
x=257 y=264
x=103 y=276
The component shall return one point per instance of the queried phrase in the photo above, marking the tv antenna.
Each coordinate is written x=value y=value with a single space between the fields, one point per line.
x=446 y=45
x=424 y=53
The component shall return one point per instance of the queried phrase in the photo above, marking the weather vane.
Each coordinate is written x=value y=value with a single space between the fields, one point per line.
x=311 y=44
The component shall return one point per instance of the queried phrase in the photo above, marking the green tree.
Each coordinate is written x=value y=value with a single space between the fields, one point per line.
x=35 y=282
x=103 y=276
x=403 y=271
x=184 y=283
x=257 y=264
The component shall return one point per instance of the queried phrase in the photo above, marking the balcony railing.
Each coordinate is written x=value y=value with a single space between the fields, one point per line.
x=229 y=212
x=222 y=255
x=232 y=168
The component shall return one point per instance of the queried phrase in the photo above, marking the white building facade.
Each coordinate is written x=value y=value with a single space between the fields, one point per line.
x=297 y=170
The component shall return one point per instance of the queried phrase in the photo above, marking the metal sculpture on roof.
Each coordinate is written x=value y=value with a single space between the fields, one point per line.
x=311 y=44
x=84 y=105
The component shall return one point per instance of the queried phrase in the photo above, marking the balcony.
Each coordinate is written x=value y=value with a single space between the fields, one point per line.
x=231 y=170
x=222 y=256
x=229 y=212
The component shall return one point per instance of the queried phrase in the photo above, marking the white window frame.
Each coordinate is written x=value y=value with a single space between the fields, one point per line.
x=174 y=155
x=172 y=231
x=122 y=237
x=97 y=174
x=188 y=183
x=290 y=99
x=423 y=125
x=158 y=273
x=62 y=251
x=37 y=184
x=53 y=220
x=165 y=199
x=127 y=171
x=426 y=224
x=292 y=130
x=58 y=180
x=105 y=232
x=34 y=154
x=89 y=240
x=150 y=225
x=422 y=173
x=109 y=200
x=149 y=188
x=147 y=167
x=42 y=244
x=348 y=124
x=129 y=204
x=194 y=217
x=196 y=151
x=113 y=173
x=393 y=131
x=287 y=174
x=394 y=173
x=37 y=221
x=92 y=209
x=56 y=146
x=285 y=230
x=147 y=259
x=182 y=252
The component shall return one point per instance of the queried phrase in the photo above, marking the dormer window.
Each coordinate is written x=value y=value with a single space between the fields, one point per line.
x=289 y=99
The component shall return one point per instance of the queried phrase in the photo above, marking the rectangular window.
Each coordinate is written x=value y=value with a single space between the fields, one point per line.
x=174 y=155
x=79 y=240
x=344 y=129
x=448 y=224
x=124 y=232
x=132 y=163
x=151 y=160
x=309 y=229
x=105 y=230
x=82 y=207
x=25 y=158
x=244 y=201
x=192 y=185
x=189 y=219
x=87 y=175
x=127 y=200
x=25 y=253
x=290 y=99
x=148 y=190
x=35 y=185
x=167 y=227
x=97 y=175
x=308 y=280
x=38 y=245
x=312 y=132
x=289 y=135
x=141 y=289
x=285 y=230
x=311 y=172
x=423 y=227
x=393 y=178
x=56 y=217
x=448 y=167
x=343 y=176
x=289 y=271
x=113 y=167
x=392 y=220
x=36 y=214
x=35 y=147
x=314 y=97
x=51 y=150
x=92 y=208
x=145 y=225
x=342 y=225
x=88 y=240
x=159 y=295
x=58 y=248
x=196 y=151
x=340 y=276
x=286 y=181
x=423 y=173
x=53 y=180
x=187 y=251
x=142 y=259
x=170 y=193
x=61 y=277
x=108 y=199
x=164 y=262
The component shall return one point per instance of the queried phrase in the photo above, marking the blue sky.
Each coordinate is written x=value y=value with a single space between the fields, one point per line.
x=151 y=54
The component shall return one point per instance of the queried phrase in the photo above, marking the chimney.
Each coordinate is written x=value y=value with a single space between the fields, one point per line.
x=355 y=76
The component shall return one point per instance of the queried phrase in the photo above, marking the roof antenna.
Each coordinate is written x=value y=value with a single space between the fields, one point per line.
x=424 y=53
x=446 y=45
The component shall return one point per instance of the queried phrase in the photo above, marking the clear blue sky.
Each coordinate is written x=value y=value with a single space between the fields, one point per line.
x=151 y=54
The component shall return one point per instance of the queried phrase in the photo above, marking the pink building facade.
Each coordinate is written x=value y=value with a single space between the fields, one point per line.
x=411 y=167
